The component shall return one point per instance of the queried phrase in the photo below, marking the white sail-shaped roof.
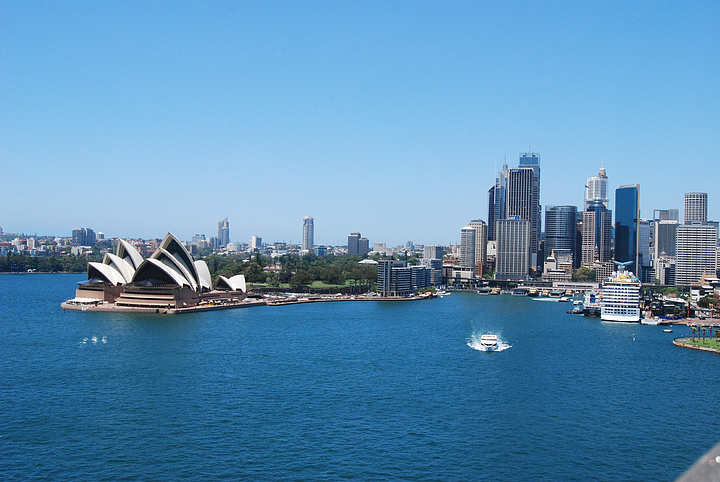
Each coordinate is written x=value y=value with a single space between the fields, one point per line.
x=153 y=268
x=173 y=262
x=125 y=269
x=105 y=272
x=236 y=283
x=128 y=252
x=204 y=274
x=176 y=249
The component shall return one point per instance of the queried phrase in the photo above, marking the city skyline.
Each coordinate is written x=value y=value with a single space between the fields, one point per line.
x=260 y=102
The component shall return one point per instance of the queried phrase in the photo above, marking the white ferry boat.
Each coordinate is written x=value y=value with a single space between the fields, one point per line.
x=489 y=341
x=620 y=296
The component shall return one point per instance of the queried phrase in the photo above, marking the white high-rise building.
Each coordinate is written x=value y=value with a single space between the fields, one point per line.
x=467 y=247
x=513 y=249
x=255 y=243
x=596 y=189
x=308 y=233
x=481 y=237
x=695 y=207
x=696 y=252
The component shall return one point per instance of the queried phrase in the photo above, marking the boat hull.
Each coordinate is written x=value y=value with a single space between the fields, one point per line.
x=609 y=315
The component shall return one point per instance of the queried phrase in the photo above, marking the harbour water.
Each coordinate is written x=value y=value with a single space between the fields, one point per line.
x=382 y=390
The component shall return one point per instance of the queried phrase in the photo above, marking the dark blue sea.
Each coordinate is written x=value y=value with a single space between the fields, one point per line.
x=346 y=390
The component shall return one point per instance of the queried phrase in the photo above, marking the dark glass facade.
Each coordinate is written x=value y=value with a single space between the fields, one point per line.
x=560 y=229
x=627 y=216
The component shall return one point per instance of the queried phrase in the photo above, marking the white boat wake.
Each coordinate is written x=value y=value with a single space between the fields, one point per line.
x=93 y=340
x=474 y=343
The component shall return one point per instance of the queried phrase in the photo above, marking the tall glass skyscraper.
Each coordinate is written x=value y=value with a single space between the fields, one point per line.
x=560 y=229
x=627 y=218
x=308 y=233
x=224 y=232
x=532 y=160
x=497 y=198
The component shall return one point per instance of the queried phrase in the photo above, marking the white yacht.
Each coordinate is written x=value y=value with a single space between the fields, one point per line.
x=489 y=341
x=620 y=296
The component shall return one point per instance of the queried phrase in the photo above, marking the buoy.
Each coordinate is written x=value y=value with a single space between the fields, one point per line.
x=633 y=336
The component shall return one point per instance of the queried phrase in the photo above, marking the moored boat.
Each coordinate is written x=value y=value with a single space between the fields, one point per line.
x=621 y=296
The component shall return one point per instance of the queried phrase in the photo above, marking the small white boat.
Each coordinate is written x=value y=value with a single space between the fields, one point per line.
x=489 y=341
x=564 y=299
x=668 y=330
x=650 y=321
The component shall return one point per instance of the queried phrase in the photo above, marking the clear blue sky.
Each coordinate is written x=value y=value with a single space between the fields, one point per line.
x=388 y=118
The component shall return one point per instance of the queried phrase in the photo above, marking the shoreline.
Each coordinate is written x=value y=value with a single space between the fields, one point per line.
x=112 y=308
x=682 y=342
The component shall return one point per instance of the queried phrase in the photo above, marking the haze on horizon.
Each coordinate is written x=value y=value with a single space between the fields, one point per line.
x=389 y=119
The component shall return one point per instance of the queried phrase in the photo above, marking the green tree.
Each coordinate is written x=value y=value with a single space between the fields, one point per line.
x=706 y=301
x=584 y=273
x=300 y=280
x=253 y=272
x=332 y=275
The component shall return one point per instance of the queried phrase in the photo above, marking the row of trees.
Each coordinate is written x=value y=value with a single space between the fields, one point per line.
x=294 y=270
x=49 y=264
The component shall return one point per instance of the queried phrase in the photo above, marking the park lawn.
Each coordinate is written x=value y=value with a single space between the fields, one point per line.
x=709 y=342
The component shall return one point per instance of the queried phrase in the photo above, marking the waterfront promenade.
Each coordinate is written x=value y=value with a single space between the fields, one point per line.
x=234 y=304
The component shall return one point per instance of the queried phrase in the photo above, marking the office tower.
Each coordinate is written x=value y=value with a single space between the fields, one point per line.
x=696 y=252
x=497 y=199
x=432 y=252
x=513 y=249
x=363 y=246
x=666 y=215
x=644 y=258
x=481 y=230
x=596 y=234
x=596 y=189
x=627 y=217
x=224 y=232
x=433 y=260
x=523 y=203
x=255 y=243
x=83 y=237
x=560 y=230
x=308 y=233
x=665 y=269
x=665 y=238
x=353 y=244
x=467 y=247
x=357 y=245
x=695 y=207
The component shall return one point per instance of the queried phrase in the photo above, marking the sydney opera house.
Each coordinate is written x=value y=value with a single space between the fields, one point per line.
x=168 y=281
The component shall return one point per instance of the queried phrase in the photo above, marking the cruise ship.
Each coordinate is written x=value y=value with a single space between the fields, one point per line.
x=620 y=296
